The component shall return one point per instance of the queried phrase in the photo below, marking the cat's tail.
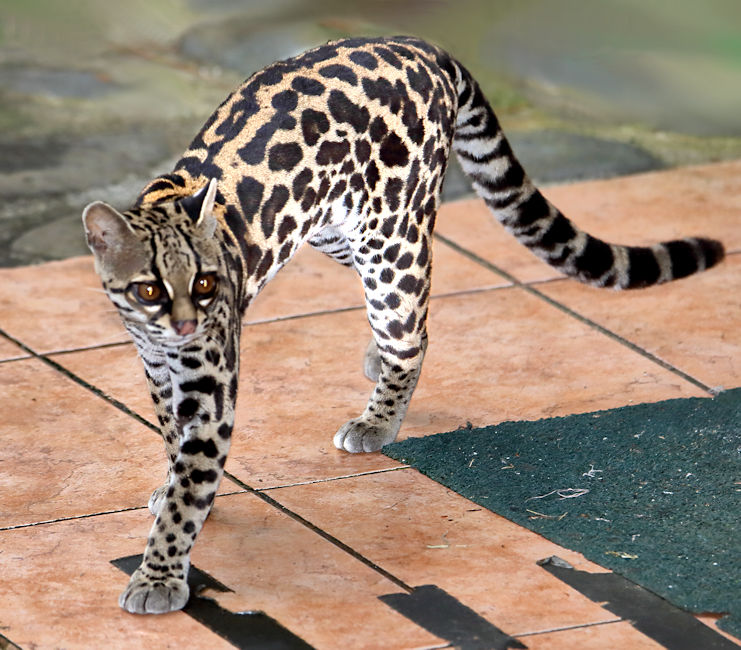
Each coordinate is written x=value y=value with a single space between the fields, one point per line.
x=500 y=180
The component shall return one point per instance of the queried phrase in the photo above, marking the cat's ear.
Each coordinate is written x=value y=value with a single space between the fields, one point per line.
x=109 y=235
x=209 y=198
x=200 y=207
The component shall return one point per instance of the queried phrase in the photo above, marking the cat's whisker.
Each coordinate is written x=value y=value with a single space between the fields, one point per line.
x=95 y=290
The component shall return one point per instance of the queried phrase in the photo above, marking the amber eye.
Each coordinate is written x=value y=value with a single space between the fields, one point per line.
x=147 y=292
x=204 y=285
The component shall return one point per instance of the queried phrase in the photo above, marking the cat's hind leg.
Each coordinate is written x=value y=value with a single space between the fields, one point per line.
x=381 y=420
x=397 y=294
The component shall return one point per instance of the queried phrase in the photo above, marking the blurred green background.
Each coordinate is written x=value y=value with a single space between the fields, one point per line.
x=97 y=96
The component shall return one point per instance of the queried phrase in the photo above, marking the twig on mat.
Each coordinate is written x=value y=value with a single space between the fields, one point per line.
x=564 y=493
x=540 y=515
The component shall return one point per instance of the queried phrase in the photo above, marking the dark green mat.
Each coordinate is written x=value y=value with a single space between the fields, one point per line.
x=664 y=492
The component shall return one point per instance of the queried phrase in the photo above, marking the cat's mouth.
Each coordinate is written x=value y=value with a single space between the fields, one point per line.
x=172 y=337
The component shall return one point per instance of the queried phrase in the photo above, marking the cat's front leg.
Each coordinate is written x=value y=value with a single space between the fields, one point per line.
x=203 y=411
x=157 y=372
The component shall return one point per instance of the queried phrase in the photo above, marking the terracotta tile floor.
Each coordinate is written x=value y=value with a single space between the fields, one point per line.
x=327 y=533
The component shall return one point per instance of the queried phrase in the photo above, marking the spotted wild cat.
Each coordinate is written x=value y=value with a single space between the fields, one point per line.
x=344 y=147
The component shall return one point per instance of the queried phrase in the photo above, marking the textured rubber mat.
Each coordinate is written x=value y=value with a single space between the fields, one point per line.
x=652 y=491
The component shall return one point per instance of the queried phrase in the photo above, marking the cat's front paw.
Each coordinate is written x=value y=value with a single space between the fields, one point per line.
x=358 y=435
x=157 y=499
x=147 y=596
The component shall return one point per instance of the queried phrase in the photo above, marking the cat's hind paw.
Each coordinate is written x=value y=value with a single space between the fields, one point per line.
x=358 y=436
x=147 y=596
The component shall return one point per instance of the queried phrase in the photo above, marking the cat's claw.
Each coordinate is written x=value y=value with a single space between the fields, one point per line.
x=143 y=596
x=157 y=499
x=358 y=436
x=372 y=362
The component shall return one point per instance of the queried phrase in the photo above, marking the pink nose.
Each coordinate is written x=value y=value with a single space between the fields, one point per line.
x=183 y=327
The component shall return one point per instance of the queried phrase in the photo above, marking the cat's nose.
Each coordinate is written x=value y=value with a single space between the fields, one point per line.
x=183 y=327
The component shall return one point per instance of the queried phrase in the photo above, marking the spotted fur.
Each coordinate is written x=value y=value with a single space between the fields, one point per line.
x=344 y=147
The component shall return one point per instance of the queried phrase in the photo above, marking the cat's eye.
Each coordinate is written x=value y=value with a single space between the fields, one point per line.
x=148 y=293
x=205 y=285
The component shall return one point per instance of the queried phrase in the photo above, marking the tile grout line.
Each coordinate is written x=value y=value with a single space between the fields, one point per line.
x=322 y=533
x=576 y=315
x=514 y=283
x=568 y=627
x=308 y=314
x=93 y=389
x=88 y=515
x=334 y=478
x=7 y=644
x=342 y=310
x=13 y=359
x=80 y=381
x=231 y=477
x=263 y=321
x=87 y=348
x=218 y=496
x=101 y=513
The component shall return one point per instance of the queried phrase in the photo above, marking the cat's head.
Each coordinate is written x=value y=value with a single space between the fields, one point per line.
x=160 y=265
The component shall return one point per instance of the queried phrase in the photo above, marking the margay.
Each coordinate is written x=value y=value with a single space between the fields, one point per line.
x=344 y=147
